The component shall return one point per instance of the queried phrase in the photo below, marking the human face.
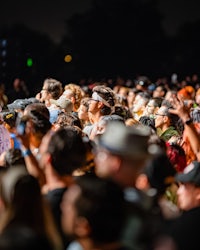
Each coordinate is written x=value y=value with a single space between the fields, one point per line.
x=83 y=113
x=188 y=196
x=69 y=213
x=159 y=117
x=44 y=93
x=93 y=106
x=131 y=98
x=158 y=92
x=150 y=107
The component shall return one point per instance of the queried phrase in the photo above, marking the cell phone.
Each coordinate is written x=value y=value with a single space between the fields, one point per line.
x=21 y=124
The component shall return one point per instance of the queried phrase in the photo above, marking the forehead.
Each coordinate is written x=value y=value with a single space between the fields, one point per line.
x=162 y=110
x=151 y=103
x=159 y=89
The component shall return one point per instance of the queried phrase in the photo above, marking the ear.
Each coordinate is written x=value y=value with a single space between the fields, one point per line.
x=73 y=99
x=166 y=119
x=100 y=105
x=115 y=163
x=82 y=227
x=29 y=127
x=142 y=182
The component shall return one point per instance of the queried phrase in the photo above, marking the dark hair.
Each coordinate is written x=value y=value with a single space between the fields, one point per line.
x=107 y=94
x=9 y=117
x=41 y=123
x=54 y=87
x=101 y=203
x=68 y=120
x=14 y=156
x=39 y=107
x=67 y=150
x=147 y=121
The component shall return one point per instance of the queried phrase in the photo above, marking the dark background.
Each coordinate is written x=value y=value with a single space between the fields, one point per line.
x=106 y=38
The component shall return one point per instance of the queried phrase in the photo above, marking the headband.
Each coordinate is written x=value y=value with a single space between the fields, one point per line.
x=97 y=97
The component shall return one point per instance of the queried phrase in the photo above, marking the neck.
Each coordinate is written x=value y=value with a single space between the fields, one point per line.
x=53 y=180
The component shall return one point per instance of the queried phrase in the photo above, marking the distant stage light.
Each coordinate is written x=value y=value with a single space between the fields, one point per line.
x=68 y=58
x=29 y=62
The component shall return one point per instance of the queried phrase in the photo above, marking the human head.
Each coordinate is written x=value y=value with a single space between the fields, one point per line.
x=52 y=88
x=164 y=118
x=73 y=92
x=122 y=150
x=160 y=91
x=97 y=206
x=188 y=193
x=39 y=107
x=66 y=151
x=104 y=99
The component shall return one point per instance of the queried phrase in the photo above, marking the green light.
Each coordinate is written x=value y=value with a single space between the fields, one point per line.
x=29 y=62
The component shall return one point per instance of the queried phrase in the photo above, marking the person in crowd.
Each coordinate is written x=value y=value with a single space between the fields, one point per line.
x=19 y=90
x=184 y=229
x=152 y=106
x=9 y=118
x=60 y=154
x=101 y=103
x=67 y=119
x=23 y=205
x=165 y=123
x=131 y=97
x=63 y=104
x=83 y=111
x=73 y=92
x=12 y=157
x=121 y=154
x=140 y=102
x=3 y=96
x=191 y=141
x=160 y=91
x=5 y=142
x=39 y=107
x=92 y=213
x=52 y=89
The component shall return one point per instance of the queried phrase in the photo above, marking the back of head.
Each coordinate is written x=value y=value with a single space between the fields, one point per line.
x=39 y=107
x=13 y=156
x=101 y=203
x=67 y=149
x=41 y=123
x=9 y=117
x=22 y=198
x=160 y=172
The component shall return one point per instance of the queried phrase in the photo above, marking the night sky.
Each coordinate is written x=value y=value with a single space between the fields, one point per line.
x=49 y=15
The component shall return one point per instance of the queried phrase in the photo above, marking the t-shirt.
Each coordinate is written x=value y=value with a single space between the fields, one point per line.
x=5 y=142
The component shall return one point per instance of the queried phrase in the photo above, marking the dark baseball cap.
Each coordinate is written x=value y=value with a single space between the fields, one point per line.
x=191 y=174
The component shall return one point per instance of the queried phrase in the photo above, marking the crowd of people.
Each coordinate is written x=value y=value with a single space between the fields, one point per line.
x=104 y=166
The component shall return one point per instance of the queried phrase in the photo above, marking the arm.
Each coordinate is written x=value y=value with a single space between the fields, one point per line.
x=30 y=160
x=184 y=113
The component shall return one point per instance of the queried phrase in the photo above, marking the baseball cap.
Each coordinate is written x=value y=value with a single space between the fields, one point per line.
x=191 y=174
x=131 y=142
x=63 y=103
